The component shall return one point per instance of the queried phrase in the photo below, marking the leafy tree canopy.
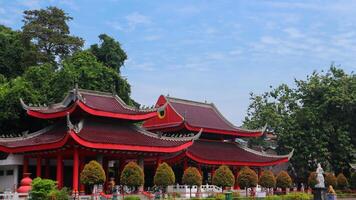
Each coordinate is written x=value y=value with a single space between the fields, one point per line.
x=109 y=52
x=49 y=32
x=316 y=119
x=15 y=54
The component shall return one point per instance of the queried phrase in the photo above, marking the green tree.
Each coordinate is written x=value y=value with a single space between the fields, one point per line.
x=283 y=180
x=315 y=119
x=92 y=174
x=109 y=52
x=192 y=176
x=223 y=177
x=267 y=179
x=247 y=178
x=16 y=55
x=132 y=175
x=164 y=175
x=49 y=32
x=342 y=182
x=44 y=84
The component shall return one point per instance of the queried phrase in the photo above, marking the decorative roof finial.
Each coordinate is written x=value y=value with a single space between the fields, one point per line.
x=69 y=123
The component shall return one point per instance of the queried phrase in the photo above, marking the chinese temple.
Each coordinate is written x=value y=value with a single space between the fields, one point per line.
x=90 y=125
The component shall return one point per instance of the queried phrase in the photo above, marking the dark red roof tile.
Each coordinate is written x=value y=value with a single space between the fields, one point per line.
x=219 y=151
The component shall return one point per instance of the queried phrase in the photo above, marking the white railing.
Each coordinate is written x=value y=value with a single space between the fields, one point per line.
x=13 y=196
x=185 y=191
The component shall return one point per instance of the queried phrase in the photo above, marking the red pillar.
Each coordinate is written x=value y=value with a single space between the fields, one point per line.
x=199 y=168
x=38 y=166
x=81 y=167
x=212 y=173
x=259 y=172
x=47 y=168
x=59 y=171
x=185 y=165
x=105 y=167
x=75 y=171
x=236 y=176
x=25 y=164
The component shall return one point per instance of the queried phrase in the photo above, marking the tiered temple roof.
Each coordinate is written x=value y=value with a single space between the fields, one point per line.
x=191 y=115
x=95 y=103
x=98 y=134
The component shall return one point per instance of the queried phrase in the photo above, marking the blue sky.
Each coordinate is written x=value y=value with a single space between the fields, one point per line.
x=218 y=51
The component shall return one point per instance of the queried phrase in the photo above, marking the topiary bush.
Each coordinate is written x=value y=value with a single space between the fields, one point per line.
x=132 y=175
x=132 y=198
x=44 y=189
x=342 y=182
x=93 y=173
x=267 y=179
x=330 y=179
x=164 y=175
x=312 y=179
x=353 y=181
x=223 y=177
x=192 y=176
x=283 y=180
x=41 y=188
x=247 y=178
x=297 y=196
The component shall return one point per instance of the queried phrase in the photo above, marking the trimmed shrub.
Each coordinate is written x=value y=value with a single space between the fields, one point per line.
x=164 y=175
x=44 y=189
x=132 y=198
x=62 y=194
x=297 y=196
x=312 y=180
x=132 y=175
x=41 y=188
x=192 y=176
x=330 y=179
x=284 y=180
x=353 y=180
x=93 y=173
x=267 y=179
x=273 y=197
x=247 y=178
x=223 y=177
x=342 y=182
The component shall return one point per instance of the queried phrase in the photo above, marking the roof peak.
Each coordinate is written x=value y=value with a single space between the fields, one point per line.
x=190 y=102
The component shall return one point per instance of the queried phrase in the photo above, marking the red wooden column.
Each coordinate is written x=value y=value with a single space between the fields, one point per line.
x=259 y=170
x=38 y=166
x=185 y=164
x=75 y=172
x=59 y=171
x=81 y=167
x=25 y=164
x=158 y=162
x=47 y=168
x=212 y=173
x=105 y=167
x=236 y=176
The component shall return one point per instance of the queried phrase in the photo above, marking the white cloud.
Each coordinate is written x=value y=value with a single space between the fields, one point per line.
x=135 y=19
x=152 y=37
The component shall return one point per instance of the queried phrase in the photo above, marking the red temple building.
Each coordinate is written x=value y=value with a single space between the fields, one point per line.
x=89 y=125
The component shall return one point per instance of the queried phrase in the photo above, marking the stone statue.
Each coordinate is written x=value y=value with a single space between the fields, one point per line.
x=320 y=177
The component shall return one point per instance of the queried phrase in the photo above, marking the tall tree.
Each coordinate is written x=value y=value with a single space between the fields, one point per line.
x=316 y=119
x=109 y=52
x=49 y=32
x=16 y=55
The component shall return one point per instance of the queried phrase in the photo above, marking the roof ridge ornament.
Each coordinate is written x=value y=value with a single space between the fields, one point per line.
x=69 y=123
